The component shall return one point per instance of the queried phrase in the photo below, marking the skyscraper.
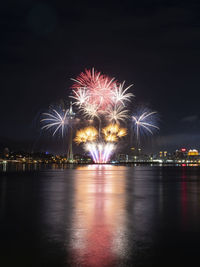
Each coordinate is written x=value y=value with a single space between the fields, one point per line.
x=71 y=116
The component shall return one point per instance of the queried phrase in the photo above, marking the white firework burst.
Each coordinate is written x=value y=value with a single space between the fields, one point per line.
x=117 y=113
x=90 y=111
x=55 y=120
x=81 y=96
x=120 y=94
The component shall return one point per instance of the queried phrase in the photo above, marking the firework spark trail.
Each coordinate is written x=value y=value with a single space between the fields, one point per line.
x=113 y=132
x=55 y=120
x=81 y=96
x=120 y=95
x=107 y=151
x=88 y=134
x=90 y=149
x=110 y=149
x=116 y=114
x=100 y=152
x=122 y=132
x=99 y=87
x=145 y=122
x=95 y=152
x=111 y=138
x=90 y=111
x=100 y=147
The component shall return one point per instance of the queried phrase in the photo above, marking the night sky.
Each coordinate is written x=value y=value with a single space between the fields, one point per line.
x=153 y=44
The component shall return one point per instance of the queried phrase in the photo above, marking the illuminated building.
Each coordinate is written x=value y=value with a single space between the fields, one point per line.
x=193 y=152
x=79 y=158
x=163 y=154
x=6 y=152
x=122 y=157
x=181 y=153
x=70 y=151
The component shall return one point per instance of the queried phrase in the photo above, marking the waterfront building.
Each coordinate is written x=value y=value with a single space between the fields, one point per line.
x=122 y=157
x=181 y=154
x=71 y=116
x=6 y=152
x=193 y=152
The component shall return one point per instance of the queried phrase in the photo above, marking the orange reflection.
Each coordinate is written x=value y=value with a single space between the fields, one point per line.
x=99 y=219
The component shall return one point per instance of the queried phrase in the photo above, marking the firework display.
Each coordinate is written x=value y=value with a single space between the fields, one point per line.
x=101 y=102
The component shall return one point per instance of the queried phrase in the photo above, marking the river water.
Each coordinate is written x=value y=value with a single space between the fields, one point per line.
x=100 y=215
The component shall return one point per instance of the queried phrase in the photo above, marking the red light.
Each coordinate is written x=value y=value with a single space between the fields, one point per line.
x=183 y=149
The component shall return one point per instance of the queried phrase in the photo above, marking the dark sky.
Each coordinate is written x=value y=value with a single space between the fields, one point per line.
x=153 y=44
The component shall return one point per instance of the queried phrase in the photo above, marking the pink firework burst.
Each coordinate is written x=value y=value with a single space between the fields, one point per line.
x=99 y=87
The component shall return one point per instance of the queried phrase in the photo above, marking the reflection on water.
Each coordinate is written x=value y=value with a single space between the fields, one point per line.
x=24 y=167
x=99 y=219
x=100 y=215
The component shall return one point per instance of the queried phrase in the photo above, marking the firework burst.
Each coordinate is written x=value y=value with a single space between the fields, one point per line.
x=145 y=122
x=90 y=111
x=99 y=88
x=122 y=132
x=55 y=120
x=120 y=94
x=115 y=114
x=81 y=96
x=113 y=132
x=88 y=134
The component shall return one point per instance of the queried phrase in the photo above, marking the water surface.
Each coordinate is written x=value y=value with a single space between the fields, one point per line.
x=100 y=215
